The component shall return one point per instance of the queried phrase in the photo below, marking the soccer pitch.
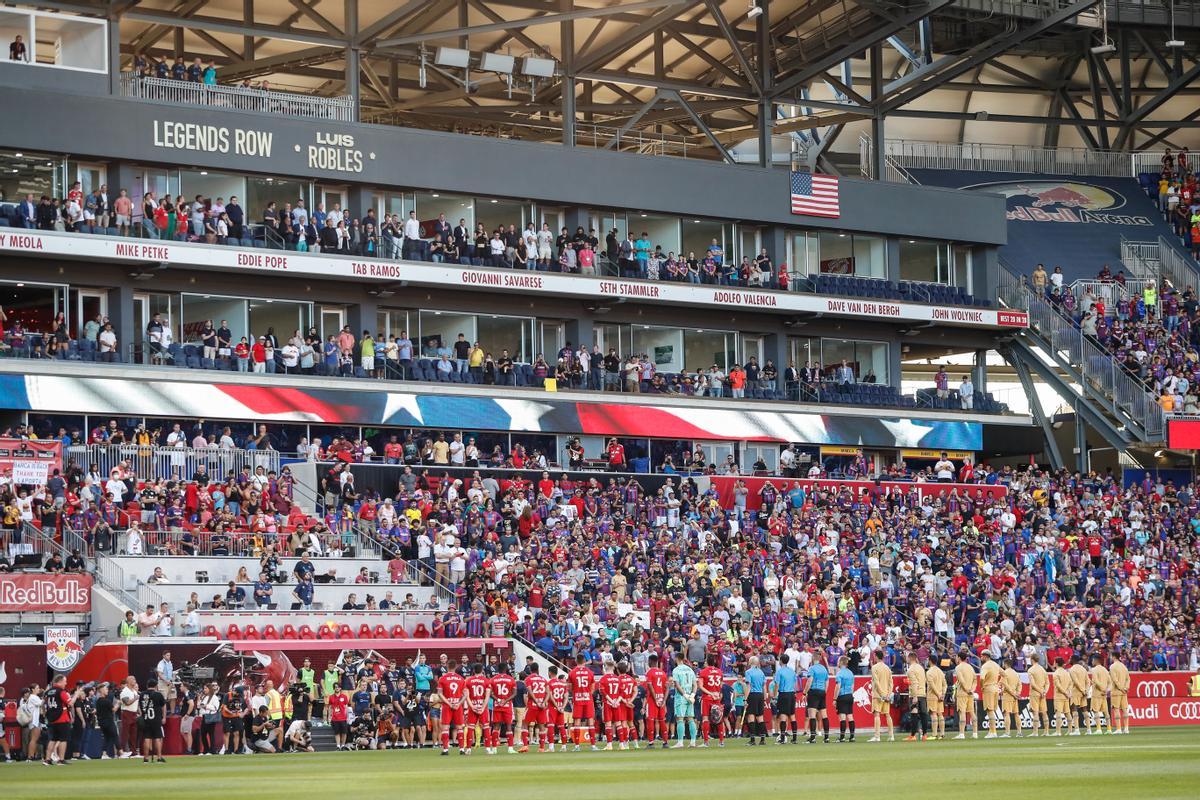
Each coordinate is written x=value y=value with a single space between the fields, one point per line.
x=1150 y=763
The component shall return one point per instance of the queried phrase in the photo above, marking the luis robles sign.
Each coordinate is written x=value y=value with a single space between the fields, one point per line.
x=230 y=259
x=23 y=591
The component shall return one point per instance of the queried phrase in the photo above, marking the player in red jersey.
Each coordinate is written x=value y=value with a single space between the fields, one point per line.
x=657 y=682
x=452 y=687
x=504 y=689
x=711 y=681
x=583 y=681
x=610 y=695
x=537 y=708
x=479 y=690
x=560 y=697
x=628 y=689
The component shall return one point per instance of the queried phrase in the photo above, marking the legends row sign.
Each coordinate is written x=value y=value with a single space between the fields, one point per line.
x=315 y=265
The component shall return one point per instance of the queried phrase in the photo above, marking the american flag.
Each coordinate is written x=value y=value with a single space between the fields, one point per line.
x=815 y=195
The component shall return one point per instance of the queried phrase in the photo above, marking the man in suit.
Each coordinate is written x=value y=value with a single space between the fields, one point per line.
x=466 y=244
x=27 y=209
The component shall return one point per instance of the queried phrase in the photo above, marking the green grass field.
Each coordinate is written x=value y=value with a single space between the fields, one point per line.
x=1150 y=763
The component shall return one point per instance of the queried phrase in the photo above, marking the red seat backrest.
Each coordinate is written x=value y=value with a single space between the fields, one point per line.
x=233 y=632
x=364 y=631
x=344 y=632
x=289 y=632
x=380 y=632
x=420 y=632
x=307 y=632
x=398 y=632
x=251 y=632
x=269 y=632
x=326 y=632
x=211 y=630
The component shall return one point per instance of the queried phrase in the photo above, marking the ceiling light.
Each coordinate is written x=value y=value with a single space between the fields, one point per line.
x=537 y=67
x=435 y=194
x=754 y=10
x=452 y=57
x=1172 y=43
x=493 y=201
x=18 y=155
x=202 y=172
x=497 y=62
x=1104 y=49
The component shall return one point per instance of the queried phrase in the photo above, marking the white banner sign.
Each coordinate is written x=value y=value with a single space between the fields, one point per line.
x=204 y=256
x=30 y=472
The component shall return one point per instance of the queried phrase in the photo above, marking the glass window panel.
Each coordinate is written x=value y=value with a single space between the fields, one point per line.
x=870 y=256
x=441 y=329
x=962 y=266
x=211 y=185
x=836 y=253
x=698 y=235
x=26 y=174
x=281 y=318
x=867 y=358
x=921 y=260
x=455 y=207
x=496 y=333
x=198 y=309
x=662 y=231
x=664 y=347
x=260 y=191
x=494 y=213
x=704 y=348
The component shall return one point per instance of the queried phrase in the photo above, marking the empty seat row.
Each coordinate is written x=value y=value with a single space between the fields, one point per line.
x=289 y=632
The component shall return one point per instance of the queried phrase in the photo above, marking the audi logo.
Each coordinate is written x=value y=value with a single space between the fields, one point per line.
x=1156 y=689
x=1188 y=711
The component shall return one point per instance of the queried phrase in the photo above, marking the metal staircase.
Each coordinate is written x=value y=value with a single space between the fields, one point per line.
x=1103 y=393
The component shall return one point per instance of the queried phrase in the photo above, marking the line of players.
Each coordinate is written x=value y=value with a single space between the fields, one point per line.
x=563 y=708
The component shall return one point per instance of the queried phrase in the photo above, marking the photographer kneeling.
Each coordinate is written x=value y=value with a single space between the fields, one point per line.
x=299 y=736
x=260 y=732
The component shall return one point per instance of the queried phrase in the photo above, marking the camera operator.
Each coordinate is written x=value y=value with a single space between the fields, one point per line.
x=233 y=705
x=260 y=732
x=299 y=736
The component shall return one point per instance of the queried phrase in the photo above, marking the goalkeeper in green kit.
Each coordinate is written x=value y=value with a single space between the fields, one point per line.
x=683 y=678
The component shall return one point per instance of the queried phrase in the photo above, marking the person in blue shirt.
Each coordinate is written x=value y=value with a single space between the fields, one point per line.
x=361 y=699
x=422 y=674
x=783 y=691
x=756 y=682
x=816 y=680
x=845 y=698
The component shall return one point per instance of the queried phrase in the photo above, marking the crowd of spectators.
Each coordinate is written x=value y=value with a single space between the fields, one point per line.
x=1153 y=334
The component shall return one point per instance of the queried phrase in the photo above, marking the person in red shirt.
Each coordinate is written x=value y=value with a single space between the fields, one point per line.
x=393 y=451
x=627 y=686
x=339 y=707
x=582 y=681
x=58 y=713
x=479 y=691
x=560 y=696
x=610 y=695
x=657 y=682
x=616 y=456
x=537 y=708
x=452 y=687
x=711 y=681
x=504 y=689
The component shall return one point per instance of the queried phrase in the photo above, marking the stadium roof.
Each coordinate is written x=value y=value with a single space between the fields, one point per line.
x=701 y=75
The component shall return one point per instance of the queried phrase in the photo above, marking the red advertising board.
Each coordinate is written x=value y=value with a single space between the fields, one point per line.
x=1183 y=433
x=29 y=461
x=25 y=591
x=724 y=487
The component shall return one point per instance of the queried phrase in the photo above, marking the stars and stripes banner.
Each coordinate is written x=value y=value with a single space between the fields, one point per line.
x=815 y=195
x=368 y=403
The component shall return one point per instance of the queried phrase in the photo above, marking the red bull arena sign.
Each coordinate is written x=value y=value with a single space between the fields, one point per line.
x=1062 y=201
x=35 y=592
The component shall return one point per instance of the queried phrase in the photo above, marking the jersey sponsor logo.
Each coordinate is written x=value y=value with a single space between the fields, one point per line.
x=63 y=649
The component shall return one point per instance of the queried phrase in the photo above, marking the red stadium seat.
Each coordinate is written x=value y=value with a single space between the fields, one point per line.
x=326 y=632
x=420 y=632
x=380 y=632
x=307 y=632
x=211 y=630
x=344 y=632
x=251 y=632
x=269 y=632
x=364 y=631
x=398 y=632
x=289 y=632
x=233 y=633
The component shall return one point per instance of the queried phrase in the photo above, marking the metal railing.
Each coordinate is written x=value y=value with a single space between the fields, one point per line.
x=1099 y=373
x=982 y=157
x=1140 y=258
x=147 y=461
x=1176 y=268
x=1112 y=293
x=238 y=98
x=1012 y=289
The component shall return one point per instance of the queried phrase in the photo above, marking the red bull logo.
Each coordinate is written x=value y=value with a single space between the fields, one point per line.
x=63 y=649
x=1058 y=196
